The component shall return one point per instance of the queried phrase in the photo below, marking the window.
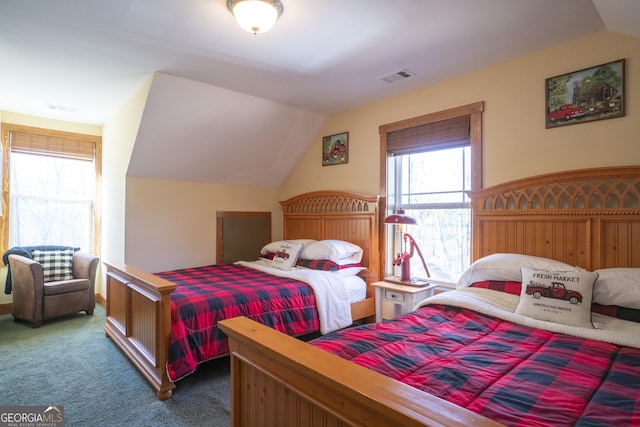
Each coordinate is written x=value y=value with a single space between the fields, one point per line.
x=52 y=186
x=432 y=189
x=430 y=162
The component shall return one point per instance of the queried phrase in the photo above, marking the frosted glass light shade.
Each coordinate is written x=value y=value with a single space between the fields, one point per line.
x=255 y=16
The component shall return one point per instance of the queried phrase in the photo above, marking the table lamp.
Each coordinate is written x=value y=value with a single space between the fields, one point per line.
x=403 y=260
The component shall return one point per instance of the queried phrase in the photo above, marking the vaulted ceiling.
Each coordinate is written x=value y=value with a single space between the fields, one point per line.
x=220 y=93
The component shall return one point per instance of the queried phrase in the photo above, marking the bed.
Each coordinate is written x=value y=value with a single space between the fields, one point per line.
x=588 y=218
x=138 y=306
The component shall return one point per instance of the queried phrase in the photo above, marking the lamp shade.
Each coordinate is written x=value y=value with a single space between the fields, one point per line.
x=400 y=218
x=255 y=16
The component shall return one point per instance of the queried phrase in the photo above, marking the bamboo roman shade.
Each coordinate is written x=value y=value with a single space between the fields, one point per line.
x=69 y=148
x=449 y=133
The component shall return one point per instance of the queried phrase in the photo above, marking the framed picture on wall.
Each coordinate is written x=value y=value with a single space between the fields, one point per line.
x=586 y=95
x=335 y=149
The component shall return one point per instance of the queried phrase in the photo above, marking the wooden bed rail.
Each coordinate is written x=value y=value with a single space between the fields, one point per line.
x=277 y=380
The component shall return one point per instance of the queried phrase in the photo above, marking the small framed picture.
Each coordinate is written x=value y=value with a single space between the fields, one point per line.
x=594 y=93
x=335 y=149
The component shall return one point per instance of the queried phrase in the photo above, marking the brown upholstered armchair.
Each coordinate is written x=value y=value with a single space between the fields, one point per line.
x=35 y=300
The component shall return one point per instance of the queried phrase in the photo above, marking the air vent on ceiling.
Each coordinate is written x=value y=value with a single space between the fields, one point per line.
x=62 y=108
x=396 y=76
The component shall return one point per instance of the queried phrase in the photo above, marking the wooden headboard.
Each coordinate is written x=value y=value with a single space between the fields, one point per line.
x=337 y=215
x=588 y=217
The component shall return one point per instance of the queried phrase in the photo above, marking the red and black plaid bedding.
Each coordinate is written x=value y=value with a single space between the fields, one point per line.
x=206 y=295
x=516 y=375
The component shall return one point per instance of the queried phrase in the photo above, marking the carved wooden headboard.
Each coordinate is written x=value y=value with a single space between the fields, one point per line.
x=588 y=217
x=336 y=215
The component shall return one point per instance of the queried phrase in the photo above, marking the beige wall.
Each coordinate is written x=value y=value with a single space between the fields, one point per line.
x=118 y=140
x=172 y=224
x=39 y=122
x=516 y=143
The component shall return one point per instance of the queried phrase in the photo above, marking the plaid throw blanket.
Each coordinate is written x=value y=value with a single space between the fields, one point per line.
x=206 y=295
x=514 y=374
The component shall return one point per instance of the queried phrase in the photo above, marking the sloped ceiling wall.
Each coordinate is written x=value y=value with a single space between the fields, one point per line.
x=211 y=134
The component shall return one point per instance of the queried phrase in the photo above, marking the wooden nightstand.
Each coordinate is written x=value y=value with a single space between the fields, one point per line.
x=403 y=297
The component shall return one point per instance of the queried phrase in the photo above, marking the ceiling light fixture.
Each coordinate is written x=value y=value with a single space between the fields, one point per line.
x=255 y=16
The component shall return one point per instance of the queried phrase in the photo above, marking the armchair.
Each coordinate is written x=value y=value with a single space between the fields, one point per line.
x=35 y=300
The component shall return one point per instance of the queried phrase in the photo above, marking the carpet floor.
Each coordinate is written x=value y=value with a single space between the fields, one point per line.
x=69 y=362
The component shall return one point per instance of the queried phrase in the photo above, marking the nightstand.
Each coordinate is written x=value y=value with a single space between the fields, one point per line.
x=403 y=297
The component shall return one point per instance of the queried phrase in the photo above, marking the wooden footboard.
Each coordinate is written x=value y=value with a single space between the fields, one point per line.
x=277 y=380
x=139 y=321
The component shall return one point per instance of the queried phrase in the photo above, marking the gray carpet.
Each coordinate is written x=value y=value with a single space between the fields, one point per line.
x=70 y=362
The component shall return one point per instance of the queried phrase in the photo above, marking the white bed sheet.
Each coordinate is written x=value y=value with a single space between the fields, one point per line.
x=356 y=288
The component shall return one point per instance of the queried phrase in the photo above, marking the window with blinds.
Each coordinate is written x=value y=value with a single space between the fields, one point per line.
x=52 y=146
x=52 y=188
x=443 y=134
x=429 y=168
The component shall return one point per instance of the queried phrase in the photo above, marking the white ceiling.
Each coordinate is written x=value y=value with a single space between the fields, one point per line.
x=322 y=57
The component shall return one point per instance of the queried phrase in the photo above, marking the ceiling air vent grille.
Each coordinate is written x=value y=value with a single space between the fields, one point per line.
x=63 y=108
x=396 y=76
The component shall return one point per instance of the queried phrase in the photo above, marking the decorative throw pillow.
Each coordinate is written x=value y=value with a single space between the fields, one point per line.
x=56 y=265
x=275 y=246
x=557 y=296
x=286 y=255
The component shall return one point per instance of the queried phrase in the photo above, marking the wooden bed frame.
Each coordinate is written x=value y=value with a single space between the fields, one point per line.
x=138 y=303
x=589 y=218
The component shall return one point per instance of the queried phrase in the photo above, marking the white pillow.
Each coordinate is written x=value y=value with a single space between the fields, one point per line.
x=618 y=286
x=275 y=246
x=350 y=271
x=506 y=267
x=338 y=251
x=286 y=255
x=557 y=296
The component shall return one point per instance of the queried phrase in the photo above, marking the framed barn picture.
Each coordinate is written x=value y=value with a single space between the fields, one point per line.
x=594 y=93
x=335 y=149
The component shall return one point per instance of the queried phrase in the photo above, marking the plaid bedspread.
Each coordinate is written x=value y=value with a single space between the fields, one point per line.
x=514 y=374
x=206 y=295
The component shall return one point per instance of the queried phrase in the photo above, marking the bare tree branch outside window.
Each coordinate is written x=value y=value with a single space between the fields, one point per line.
x=51 y=201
